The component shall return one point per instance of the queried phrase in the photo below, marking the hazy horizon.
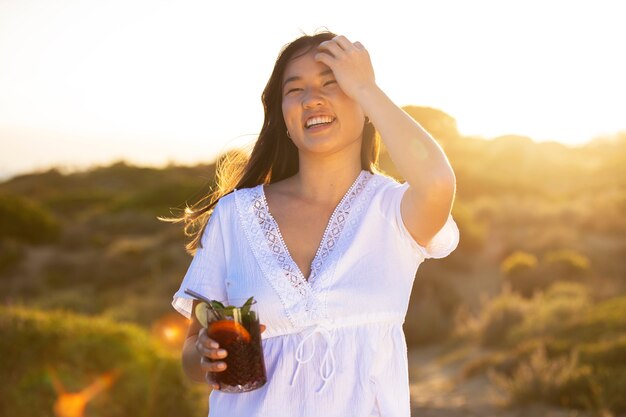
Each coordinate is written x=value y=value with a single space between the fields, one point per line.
x=67 y=166
x=90 y=82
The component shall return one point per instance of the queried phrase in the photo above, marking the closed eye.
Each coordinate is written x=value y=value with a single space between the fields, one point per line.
x=330 y=82
x=293 y=90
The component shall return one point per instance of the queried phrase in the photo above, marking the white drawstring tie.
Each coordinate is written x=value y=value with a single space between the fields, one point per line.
x=327 y=367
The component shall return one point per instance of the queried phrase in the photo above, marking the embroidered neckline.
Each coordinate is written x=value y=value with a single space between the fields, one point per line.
x=304 y=301
x=335 y=224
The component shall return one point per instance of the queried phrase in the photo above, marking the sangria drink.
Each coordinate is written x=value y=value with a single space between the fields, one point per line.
x=235 y=326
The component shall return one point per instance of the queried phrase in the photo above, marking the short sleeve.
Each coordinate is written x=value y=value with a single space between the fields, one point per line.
x=441 y=245
x=207 y=272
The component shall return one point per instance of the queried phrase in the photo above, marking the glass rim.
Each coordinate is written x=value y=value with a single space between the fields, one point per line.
x=236 y=302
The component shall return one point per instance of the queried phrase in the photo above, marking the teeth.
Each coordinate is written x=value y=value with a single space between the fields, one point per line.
x=318 y=120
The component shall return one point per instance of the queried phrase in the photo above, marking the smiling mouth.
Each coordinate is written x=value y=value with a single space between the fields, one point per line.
x=318 y=121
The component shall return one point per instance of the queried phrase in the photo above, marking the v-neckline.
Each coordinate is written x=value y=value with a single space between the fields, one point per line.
x=313 y=272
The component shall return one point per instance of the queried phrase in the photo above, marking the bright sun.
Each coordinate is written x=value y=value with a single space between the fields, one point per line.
x=87 y=82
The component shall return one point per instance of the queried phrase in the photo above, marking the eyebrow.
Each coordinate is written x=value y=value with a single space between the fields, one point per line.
x=296 y=77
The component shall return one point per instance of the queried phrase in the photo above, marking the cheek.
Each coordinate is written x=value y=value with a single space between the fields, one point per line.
x=358 y=118
x=287 y=112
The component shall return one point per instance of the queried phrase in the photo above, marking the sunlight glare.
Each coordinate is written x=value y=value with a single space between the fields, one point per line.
x=153 y=82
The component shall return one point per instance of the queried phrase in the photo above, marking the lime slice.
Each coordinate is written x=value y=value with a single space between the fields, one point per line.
x=201 y=313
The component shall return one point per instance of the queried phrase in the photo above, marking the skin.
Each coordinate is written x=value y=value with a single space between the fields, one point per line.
x=337 y=80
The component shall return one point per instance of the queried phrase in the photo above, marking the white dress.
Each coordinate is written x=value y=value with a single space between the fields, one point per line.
x=334 y=344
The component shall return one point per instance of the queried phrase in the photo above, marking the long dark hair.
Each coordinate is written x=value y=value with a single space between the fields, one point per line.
x=274 y=156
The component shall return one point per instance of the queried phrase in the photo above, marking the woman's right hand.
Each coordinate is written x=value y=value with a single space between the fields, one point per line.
x=210 y=355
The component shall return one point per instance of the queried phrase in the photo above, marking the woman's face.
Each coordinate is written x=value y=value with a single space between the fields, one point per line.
x=319 y=116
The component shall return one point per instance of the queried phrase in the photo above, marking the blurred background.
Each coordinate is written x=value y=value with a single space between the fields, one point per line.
x=112 y=114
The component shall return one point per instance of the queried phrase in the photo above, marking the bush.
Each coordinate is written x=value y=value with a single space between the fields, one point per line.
x=11 y=253
x=578 y=350
x=521 y=272
x=560 y=381
x=426 y=322
x=602 y=321
x=566 y=265
x=432 y=307
x=518 y=263
x=38 y=347
x=158 y=199
x=472 y=230
x=605 y=353
x=552 y=311
x=500 y=317
x=612 y=386
x=69 y=202
x=25 y=220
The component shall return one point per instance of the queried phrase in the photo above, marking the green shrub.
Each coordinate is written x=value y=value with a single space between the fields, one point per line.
x=607 y=353
x=604 y=320
x=159 y=198
x=11 y=253
x=581 y=359
x=567 y=290
x=501 y=361
x=77 y=350
x=432 y=307
x=60 y=272
x=521 y=273
x=500 y=317
x=551 y=311
x=560 y=381
x=611 y=381
x=472 y=230
x=25 y=220
x=566 y=265
x=426 y=322
x=68 y=202
x=518 y=263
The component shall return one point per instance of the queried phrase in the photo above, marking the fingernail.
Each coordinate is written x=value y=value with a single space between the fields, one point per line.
x=221 y=352
x=221 y=365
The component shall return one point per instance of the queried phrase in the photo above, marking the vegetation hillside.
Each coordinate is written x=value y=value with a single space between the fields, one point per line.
x=68 y=363
x=538 y=276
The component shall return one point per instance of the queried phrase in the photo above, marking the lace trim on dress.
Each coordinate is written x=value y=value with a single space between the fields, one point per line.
x=336 y=225
x=259 y=228
x=298 y=296
x=343 y=224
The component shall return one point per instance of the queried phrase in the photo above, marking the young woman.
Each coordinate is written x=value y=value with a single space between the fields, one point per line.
x=327 y=246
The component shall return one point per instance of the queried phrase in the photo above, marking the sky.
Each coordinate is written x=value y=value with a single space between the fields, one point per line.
x=155 y=82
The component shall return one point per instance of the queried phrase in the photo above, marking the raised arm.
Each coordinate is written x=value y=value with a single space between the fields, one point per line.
x=419 y=159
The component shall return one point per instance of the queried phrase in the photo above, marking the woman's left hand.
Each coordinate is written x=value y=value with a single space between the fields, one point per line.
x=350 y=63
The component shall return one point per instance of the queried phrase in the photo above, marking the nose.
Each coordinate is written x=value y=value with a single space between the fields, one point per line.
x=312 y=98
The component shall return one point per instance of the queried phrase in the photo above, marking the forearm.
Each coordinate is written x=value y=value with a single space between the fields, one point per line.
x=191 y=360
x=416 y=155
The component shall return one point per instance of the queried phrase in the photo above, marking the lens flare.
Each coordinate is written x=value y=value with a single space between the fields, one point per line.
x=73 y=404
x=171 y=330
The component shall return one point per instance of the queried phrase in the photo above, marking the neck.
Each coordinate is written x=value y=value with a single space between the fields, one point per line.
x=324 y=181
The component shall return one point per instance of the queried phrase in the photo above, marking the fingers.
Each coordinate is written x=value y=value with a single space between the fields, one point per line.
x=214 y=385
x=209 y=365
x=209 y=379
x=332 y=48
x=210 y=353
x=343 y=42
x=338 y=49
x=325 y=58
x=338 y=45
